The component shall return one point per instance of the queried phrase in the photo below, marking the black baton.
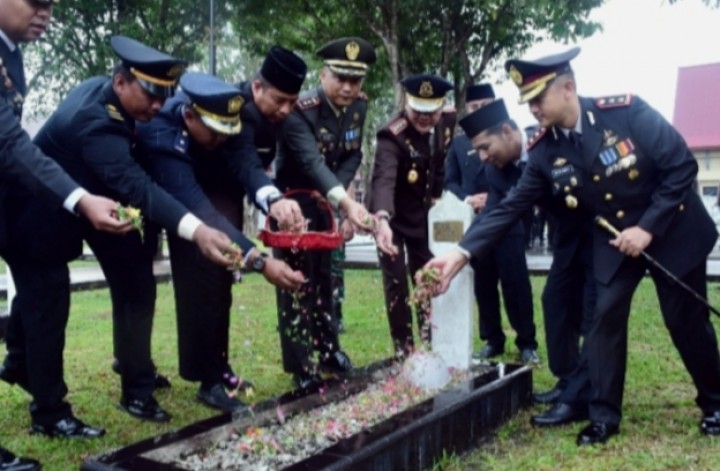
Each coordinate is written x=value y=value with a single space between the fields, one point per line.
x=602 y=222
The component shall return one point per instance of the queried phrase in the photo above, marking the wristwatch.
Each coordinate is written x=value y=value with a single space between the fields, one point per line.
x=258 y=262
x=273 y=198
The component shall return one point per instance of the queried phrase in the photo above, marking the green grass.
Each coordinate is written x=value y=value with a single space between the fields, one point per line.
x=659 y=430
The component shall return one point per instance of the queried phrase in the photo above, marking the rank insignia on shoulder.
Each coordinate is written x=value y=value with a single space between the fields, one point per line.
x=615 y=101
x=398 y=126
x=114 y=113
x=308 y=102
x=536 y=137
x=182 y=141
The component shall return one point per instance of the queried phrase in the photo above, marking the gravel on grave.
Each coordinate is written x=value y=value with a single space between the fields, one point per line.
x=293 y=439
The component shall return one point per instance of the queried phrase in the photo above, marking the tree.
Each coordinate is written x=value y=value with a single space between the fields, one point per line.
x=458 y=39
x=77 y=45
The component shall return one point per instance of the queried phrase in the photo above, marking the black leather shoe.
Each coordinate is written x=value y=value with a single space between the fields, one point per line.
x=548 y=397
x=487 y=352
x=236 y=383
x=710 y=423
x=337 y=362
x=217 y=398
x=559 y=414
x=10 y=462
x=161 y=382
x=70 y=427
x=145 y=409
x=596 y=432
x=306 y=380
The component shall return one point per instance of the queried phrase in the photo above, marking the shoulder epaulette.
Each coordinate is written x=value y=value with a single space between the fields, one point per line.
x=113 y=112
x=398 y=126
x=182 y=141
x=536 y=137
x=615 y=101
x=308 y=102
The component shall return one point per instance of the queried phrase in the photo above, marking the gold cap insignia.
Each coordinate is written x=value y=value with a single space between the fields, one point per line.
x=352 y=50
x=426 y=90
x=234 y=104
x=571 y=201
x=559 y=162
x=175 y=71
x=516 y=76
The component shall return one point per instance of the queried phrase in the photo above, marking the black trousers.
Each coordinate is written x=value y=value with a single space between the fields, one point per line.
x=203 y=298
x=36 y=332
x=506 y=263
x=568 y=305
x=687 y=320
x=395 y=273
x=305 y=320
x=35 y=336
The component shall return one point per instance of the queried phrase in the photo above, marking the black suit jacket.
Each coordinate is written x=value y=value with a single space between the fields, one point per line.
x=635 y=169
x=91 y=137
x=464 y=171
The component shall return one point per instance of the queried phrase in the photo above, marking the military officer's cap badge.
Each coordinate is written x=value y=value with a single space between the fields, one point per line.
x=156 y=71
x=218 y=104
x=348 y=56
x=532 y=77
x=425 y=92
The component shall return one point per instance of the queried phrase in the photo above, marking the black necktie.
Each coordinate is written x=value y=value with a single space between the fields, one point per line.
x=576 y=140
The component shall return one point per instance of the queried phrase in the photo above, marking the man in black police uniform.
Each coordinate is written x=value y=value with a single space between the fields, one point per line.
x=618 y=158
x=568 y=297
x=90 y=136
x=408 y=174
x=194 y=150
x=502 y=147
x=23 y=164
x=320 y=149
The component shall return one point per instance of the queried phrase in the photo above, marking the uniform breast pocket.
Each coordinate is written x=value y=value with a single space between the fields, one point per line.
x=565 y=179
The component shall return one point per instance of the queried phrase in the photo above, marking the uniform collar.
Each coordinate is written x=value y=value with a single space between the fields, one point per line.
x=524 y=156
x=578 y=124
x=11 y=45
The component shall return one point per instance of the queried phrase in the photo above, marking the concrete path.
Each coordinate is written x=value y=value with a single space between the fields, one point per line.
x=360 y=253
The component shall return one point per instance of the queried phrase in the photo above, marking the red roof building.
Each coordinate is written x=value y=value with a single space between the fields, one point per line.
x=697 y=118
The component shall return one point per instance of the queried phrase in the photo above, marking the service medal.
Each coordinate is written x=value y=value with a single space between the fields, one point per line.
x=412 y=176
x=571 y=201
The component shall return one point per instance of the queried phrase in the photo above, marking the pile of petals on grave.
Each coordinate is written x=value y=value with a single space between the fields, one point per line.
x=294 y=439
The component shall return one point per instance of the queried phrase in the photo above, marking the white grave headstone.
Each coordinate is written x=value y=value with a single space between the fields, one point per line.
x=452 y=312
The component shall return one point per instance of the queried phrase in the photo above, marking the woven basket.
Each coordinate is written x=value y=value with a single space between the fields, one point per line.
x=309 y=240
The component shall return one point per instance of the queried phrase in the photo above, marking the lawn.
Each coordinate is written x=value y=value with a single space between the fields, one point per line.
x=659 y=430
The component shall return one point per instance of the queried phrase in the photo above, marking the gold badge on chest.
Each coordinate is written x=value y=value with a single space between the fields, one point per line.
x=412 y=176
x=571 y=201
